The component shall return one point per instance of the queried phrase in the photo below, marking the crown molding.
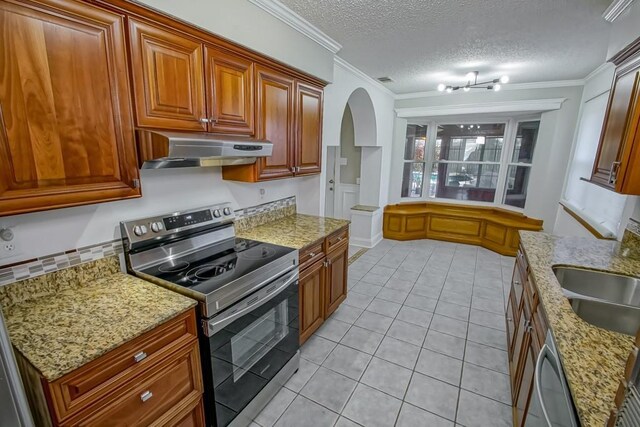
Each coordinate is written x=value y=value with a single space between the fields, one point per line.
x=359 y=73
x=615 y=9
x=298 y=23
x=597 y=71
x=530 y=105
x=515 y=86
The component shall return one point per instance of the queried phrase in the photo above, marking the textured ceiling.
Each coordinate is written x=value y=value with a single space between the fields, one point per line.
x=420 y=43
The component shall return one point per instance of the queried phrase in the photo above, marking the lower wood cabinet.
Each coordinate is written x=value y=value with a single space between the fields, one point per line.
x=323 y=283
x=155 y=379
x=526 y=332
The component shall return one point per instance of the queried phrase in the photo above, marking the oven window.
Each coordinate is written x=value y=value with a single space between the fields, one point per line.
x=248 y=353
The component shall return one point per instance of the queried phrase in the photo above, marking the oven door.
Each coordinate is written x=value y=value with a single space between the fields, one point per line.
x=246 y=347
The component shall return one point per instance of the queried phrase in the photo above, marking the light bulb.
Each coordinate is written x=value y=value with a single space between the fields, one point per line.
x=504 y=79
x=449 y=89
x=497 y=87
x=466 y=88
x=470 y=75
x=470 y=126
x=461 y=126
x=441 y=87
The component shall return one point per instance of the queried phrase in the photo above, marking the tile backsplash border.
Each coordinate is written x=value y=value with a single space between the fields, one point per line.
x=252 y=216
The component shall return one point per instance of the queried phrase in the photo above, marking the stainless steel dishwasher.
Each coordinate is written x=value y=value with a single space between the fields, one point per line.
x=551 y=404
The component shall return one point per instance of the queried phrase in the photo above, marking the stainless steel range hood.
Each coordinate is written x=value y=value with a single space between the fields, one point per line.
x=161 y=149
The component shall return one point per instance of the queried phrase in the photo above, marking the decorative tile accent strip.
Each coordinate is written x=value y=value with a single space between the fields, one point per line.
x=255 y=216
x=631 y=239
x=353 y=258
x=59 y=261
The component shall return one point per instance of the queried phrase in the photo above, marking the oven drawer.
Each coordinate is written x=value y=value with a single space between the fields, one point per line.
x=336 y=238
x=85 y=386
x=155 y=395
x=311 y=254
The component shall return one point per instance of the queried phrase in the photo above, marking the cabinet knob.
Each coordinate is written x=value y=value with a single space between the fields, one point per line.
x=204 y=120
x=146 y=396
x=140 y=356
x=213 y=120
x=312 y=254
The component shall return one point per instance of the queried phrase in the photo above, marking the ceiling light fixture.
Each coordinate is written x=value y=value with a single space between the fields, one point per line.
x=473 y=83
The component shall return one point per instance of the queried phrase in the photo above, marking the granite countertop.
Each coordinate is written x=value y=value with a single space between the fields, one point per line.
x=294 y=231
x=593 y=358
x=62 y=321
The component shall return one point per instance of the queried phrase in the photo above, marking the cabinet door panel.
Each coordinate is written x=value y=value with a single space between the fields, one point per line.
x=338 y=265
x=526 y=385
x=67 y=133
x=614 y=128
x=229 y=92
x=311 y=295
x=168 y=77
x=275 y=122
x=308 y=129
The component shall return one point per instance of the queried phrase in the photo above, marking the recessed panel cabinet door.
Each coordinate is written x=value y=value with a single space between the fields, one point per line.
x=336 y=288
x=275 y=122
x=168 y=78
x=309 y=129
x=311 y=294
x=66 y=131
x=229 y=92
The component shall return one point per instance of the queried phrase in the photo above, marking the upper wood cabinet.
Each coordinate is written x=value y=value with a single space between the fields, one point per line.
x=289 y=114
x=617 y=163
x=66 y=129
x=229 y=92
x=168 y=78
x=308 y=146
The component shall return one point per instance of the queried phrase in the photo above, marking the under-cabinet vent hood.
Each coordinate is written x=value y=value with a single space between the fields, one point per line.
x=160 y=149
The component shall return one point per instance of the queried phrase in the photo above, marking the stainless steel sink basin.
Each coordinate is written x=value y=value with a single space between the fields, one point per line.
x=624 y=319
x=603 y=286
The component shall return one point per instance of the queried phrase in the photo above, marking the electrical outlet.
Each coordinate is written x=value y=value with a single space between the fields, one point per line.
x=8 y=250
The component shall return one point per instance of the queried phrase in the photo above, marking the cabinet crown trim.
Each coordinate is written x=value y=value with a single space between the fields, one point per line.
x=298 y=23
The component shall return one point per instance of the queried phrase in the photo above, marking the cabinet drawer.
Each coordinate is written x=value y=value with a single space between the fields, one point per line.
x=100 y=377
x=174 y=382
x=336 y=238
x=311 y=254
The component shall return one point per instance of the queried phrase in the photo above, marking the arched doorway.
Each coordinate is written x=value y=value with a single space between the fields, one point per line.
x=344 y=162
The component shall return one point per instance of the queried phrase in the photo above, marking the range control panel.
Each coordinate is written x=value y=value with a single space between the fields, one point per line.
x=164 y=225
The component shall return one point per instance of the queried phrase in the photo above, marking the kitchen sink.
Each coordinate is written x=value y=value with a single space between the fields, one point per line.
x=624 y=319
x=603 y=286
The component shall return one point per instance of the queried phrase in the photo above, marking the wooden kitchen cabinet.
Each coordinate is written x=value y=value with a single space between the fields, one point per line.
x=308 y=139
x=230 y=87
x=155 y=379
x=289 y=114
x=617 y=163
x=337 y=265
x=312 y=296
x=324 y=268
x=168 y=78
x=66 y=128
x=526 y=333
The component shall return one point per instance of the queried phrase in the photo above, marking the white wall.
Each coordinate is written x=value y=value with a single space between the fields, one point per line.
x=625 y=29
x=48 y=232
x=350 y=172
x=248 y=25
x=551 y=154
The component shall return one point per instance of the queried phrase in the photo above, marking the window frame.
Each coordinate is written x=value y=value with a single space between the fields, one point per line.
x=508 y=146
x=424 y=162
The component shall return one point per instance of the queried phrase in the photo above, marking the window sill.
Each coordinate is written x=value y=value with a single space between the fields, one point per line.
x=461 y=202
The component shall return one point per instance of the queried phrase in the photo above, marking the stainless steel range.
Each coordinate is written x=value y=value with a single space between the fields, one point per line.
x=248 y=294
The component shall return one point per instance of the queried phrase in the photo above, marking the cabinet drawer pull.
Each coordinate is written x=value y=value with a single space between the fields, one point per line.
x=312 y=254
x=613 y=172
x=146 y=396
x=138 y=357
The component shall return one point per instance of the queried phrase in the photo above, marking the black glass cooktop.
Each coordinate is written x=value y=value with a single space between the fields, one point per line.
x=214 y=266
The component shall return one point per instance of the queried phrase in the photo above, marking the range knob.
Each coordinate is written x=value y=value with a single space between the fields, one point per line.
x=216 y=213
x=227 y=211
x=140 y=230
x=157 y=227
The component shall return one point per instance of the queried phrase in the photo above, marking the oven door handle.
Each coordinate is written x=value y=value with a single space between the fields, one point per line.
x=264 y=295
